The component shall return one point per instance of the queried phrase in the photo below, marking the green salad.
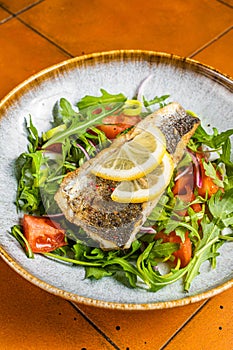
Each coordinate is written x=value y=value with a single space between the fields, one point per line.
x=192 y=220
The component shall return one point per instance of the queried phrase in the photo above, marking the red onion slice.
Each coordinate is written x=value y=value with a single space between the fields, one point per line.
x=185 y=171
x=83 y=150
x=142 y=87
x=197 y=168
x=148 y=230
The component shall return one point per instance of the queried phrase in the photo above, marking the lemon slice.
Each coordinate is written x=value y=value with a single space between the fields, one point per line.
x=146 y=188
x=135 y=158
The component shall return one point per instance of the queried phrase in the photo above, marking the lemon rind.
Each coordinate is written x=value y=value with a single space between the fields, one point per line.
x=142 y=195
x=129 y=175
x=136 y=174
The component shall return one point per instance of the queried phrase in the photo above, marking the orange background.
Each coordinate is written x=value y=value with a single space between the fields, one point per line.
x=37 y=34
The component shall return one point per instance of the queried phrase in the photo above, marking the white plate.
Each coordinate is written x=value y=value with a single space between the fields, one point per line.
x=195 y=86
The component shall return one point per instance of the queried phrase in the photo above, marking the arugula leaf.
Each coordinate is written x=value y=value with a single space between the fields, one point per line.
x=96 y=272
x=156 y=100
x=106 y=98
x=78 y=127
x=129 y=270
x=213 y=141
x=221 y=206
x=181 y=227
x=16 y=232
x=225 y=158
x=67 y=110
x=195 y=218
x=33 y=137
x=63 y=112
x=126 y=278
x=153 y=278
x=219 y=139
x=28 y=192
x=38 y=181
x=162 y=250
x=211 y=172
x=94 y=254
x=203 y=250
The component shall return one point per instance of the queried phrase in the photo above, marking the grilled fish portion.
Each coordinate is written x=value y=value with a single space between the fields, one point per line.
x=85 y=199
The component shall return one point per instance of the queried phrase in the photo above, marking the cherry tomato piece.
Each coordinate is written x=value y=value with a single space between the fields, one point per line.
x=208 y=184
x=183 y=189
x=183 y=185
x=42 y=234
x=114 y=124
x=196 y=207
x=185 y=251
x=112 y=130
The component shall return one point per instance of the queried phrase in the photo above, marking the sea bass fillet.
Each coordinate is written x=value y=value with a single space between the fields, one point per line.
x=85 y=199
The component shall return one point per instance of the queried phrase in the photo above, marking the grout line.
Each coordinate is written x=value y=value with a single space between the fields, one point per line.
x=29 y=7
x=93 y=325
x=225 y=3
x=15 y=15
x=6 y=19
x=45 y=37
x=184 y=324
x=209 y=43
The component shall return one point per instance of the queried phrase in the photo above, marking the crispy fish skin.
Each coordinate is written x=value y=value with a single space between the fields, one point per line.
x=86 y=200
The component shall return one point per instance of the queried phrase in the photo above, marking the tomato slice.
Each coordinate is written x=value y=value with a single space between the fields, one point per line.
x=185 y=251
x=115 y=124
x=111 y=131
x=184 y=185
x=208 y=185
x=121 y=119
x=183 y=189
x=42 y=234
x=197 y=207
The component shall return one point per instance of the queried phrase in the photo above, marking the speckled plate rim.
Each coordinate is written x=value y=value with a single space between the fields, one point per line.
x=110 y=305
x=56 y=69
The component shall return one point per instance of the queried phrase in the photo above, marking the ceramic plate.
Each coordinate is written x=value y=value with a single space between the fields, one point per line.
x=195 y=86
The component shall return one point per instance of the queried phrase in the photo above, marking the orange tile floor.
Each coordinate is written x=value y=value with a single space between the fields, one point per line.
x=37 y=34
